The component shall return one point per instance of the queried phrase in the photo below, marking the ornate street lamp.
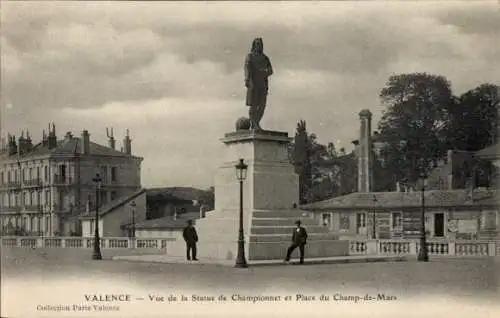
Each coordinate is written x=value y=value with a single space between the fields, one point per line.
x=374 y=231
x=133 y=205
x=423 y=255
x=96 y=254
x=241 y=174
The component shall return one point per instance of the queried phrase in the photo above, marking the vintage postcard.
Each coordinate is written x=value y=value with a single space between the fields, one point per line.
x=250 y=159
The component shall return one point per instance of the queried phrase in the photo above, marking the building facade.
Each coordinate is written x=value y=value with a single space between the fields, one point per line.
x=117 y=218
x=43 y=186
x=449 y=215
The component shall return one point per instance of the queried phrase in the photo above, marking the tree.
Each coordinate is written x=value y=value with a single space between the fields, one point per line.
x=301 y=159
x=415 y=124
x=474 y=119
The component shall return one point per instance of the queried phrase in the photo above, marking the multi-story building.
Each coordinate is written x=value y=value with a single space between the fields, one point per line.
x=45 y=186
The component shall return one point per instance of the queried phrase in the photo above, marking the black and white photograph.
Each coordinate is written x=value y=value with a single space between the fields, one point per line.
x=250 y=159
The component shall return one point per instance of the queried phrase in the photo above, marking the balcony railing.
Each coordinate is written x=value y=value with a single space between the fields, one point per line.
x=60 y=180
x=16 y=209
x=32 y=183
x=33 y=208
x=11 y=184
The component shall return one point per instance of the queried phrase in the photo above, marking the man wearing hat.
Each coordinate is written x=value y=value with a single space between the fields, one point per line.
x=299 y=239
x=191 y=238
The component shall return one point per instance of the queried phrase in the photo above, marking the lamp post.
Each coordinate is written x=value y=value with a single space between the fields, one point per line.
x=374 y=230
x=423 y=255
x=133 y=205
x=241 y=174
x=96 y=254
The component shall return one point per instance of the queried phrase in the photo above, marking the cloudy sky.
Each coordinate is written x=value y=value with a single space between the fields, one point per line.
x=172 y=72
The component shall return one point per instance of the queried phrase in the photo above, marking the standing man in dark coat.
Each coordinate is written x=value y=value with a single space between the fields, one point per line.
x=299 y=239
x=258 y=68
x=191 y=238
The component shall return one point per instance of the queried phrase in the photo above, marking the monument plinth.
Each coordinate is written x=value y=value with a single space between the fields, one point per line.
x=269 y=192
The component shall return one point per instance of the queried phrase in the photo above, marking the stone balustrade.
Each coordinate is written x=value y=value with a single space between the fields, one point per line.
x=84 y=242
x=401 y=247
x=394 y=247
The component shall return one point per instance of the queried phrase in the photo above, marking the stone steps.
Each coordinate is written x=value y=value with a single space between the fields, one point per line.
x=284 y=229
x=288 y=237
x=283 y=222
x=297 y=214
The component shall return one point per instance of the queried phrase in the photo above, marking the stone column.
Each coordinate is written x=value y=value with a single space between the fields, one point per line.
x=365 y=155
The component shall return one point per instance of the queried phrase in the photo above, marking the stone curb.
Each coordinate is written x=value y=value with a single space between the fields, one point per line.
x=267 y=263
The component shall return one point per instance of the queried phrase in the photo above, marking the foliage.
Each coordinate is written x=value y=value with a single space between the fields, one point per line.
x=414 y=126
x=474 y=118
x=301 y=159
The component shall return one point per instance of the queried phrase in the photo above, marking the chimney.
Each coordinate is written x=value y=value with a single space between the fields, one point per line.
x=45 y=142
x=12 y=145
x=111 y=139
x=52 y=139
x=29 y=143
x=85 y=147
x=365 y=155
x=21 y=144
x=127 y=143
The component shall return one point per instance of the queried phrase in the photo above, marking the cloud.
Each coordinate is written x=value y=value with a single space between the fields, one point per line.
x=173 y=72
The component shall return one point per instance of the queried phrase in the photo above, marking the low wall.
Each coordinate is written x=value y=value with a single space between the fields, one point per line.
x=84 y=242
x=412 y=247
x=265 y=250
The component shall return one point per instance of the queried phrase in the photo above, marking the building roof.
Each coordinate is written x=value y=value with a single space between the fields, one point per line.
x=168 y=222
x=180 y=193
x=68 y=146
x=113 y=205
x=491 y=152
x=433 y=198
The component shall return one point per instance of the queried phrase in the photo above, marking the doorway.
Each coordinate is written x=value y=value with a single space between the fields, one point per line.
x=439 y=224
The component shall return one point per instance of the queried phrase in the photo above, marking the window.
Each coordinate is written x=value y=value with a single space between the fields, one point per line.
x=104 y=174
x=113 y=195
x=37 y=172
x=92 y=227
x=30 y=174
x=33 y=224
x=62 y=172
x=344 y=221
x=325 y=219
x=113 y=174
x=103 y=198
x=490 y=220
x=1 y=177
x=397 y=222
x=360 y=223
x=47 y=224
x=47 y=197
x=46 y=173
x=26 y=198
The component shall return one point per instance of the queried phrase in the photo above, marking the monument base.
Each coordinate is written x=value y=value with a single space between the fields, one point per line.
x=269 y=191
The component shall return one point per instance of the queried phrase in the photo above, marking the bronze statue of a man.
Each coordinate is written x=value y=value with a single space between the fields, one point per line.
x=257 y=70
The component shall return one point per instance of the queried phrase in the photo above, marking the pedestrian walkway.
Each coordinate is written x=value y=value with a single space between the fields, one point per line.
x=313 y=261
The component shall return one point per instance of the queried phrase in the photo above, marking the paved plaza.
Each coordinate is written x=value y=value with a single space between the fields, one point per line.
x=471 y=278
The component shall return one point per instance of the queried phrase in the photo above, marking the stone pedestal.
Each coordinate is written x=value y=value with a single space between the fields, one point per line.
x=269 y=192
